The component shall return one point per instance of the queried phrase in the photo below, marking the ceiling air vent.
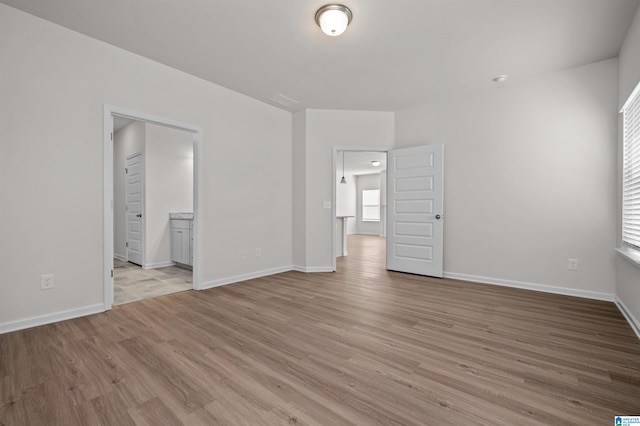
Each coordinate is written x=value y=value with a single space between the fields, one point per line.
x=284 y=101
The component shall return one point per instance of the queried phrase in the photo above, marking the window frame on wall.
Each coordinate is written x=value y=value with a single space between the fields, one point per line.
x=630 y=200
x=370 y=206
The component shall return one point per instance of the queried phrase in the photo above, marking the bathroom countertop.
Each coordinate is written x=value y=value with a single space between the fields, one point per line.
x=183 y=215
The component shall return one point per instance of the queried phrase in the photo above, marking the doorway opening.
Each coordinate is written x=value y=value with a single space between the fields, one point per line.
x=151 y=197
x=359 y=222
x=411 y=205
x=153 y=185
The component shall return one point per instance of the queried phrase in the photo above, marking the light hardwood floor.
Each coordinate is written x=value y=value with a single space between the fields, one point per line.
x=360 y=346
x=132 y=283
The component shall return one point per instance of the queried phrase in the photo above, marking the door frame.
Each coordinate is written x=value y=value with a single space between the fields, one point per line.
x=197 y=136
x=143 y=230
x=336 y=149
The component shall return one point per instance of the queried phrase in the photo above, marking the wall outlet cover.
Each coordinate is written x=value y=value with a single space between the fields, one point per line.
x=46 y=282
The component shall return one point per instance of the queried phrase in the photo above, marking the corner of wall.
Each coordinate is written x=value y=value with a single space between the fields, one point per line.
x=298 y=188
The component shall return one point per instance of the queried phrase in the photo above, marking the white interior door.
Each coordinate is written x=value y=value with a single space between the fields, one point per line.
x=415 y=210
x=134 y=209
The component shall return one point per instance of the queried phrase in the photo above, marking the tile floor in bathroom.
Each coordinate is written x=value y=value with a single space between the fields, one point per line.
x=132 y=283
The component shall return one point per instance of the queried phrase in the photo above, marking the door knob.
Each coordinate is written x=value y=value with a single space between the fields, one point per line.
x=139 y=215
x=438 y=216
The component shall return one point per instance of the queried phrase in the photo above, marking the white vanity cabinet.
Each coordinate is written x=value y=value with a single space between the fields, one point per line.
x=182 y=241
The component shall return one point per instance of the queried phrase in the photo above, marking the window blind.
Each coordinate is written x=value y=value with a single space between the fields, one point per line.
x=631 y=171
x=371 y=205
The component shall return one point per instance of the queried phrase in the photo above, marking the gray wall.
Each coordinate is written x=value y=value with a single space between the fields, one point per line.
x=54 y=85
x=530 y=179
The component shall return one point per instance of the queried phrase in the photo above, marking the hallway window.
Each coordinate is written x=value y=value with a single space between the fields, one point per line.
x=371 y=205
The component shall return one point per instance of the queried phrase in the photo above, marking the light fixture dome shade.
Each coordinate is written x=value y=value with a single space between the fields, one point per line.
x=333 y=19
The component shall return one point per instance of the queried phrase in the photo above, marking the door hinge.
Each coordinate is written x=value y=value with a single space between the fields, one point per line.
x=126 y=208
x=112 y=273
x=126 y=244
x=126 y=170
x=111 y=136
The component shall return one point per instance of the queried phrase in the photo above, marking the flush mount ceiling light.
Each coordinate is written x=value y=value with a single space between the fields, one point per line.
x=333 y=19
x=375 y=163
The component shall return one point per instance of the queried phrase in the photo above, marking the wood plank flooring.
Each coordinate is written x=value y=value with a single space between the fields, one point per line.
x=361 y=346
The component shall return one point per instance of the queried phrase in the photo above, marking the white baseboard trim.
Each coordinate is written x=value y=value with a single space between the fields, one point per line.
x=312 y=269
x=633 y=321
x=120 y=257
x=21 y=324
x=609 y=297
x=158 y=265
x=245 y=277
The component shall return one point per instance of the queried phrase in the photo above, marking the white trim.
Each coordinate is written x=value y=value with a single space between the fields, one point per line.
x=107 y=203
x=609 y=297
x=312 y=269
x=631 y=255
x=120 y=257
x=198 y=135
x=633 y=321
x=21 y=324
x=158 y=265
x=245 y=277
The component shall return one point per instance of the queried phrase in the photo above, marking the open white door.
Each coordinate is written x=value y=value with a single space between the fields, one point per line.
x=134 y=208
x=415 y=210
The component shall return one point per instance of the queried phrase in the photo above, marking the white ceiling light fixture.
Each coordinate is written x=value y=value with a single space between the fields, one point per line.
x=375 y=163
x=333 y=19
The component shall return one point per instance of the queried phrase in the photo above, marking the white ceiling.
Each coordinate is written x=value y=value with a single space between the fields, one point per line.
x=395 y=54
x=359 y=163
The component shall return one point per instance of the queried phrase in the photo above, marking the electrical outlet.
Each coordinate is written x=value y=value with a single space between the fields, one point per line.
x=573 y=264
x=46 y=282
x=243 y=254
x=258 y=252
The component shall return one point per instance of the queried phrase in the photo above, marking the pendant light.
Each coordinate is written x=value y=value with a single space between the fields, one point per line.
x=343 y=180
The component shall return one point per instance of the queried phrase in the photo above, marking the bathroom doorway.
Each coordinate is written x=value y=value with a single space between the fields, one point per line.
x=170 y=181
x=152 y=186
